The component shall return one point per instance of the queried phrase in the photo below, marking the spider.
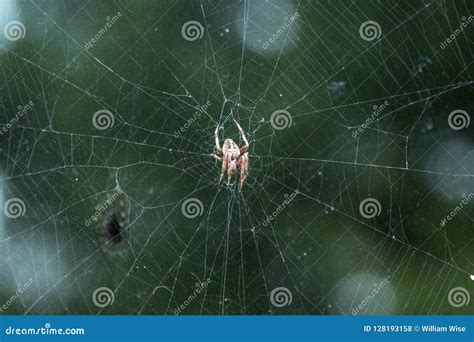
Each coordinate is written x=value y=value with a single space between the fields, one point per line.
x=233 y=157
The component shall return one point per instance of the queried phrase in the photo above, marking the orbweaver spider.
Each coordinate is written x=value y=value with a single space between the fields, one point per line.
x=233 y=157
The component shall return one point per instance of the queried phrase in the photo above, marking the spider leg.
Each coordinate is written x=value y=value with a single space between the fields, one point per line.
x=216 y=156
x=244 y=169
x=230 y=172
x=216 y=135
x=244 y=148
x=229 y=176
x=224 y=167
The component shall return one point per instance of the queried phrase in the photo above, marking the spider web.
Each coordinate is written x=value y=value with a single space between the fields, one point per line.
x=297 y=224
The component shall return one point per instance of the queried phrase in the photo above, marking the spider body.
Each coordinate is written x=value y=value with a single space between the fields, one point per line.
x=233 y=157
